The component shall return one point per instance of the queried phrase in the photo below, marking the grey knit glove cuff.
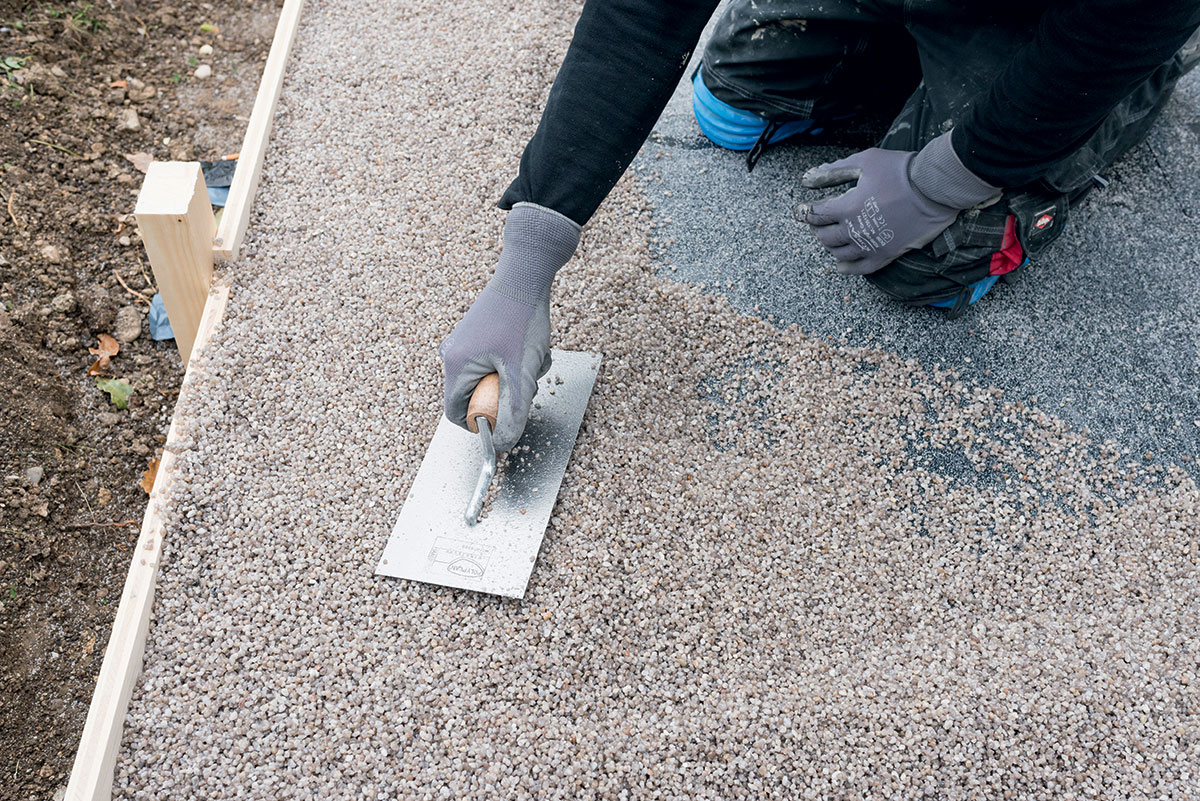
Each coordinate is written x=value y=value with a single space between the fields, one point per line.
x=537 y=242
x=939 y=174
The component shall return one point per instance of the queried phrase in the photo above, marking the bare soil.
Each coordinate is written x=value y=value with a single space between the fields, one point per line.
x=84 y=85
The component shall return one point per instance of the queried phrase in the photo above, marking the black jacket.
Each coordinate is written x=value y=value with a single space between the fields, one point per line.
x=627 y=56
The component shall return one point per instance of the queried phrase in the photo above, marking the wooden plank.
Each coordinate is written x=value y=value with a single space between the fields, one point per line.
x=177 y=226
x=92 y=773
x=249 y=168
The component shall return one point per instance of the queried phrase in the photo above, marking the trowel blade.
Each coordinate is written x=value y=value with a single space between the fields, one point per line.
x=431 y=541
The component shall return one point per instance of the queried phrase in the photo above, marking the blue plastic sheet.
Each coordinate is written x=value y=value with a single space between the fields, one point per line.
x=160 y=326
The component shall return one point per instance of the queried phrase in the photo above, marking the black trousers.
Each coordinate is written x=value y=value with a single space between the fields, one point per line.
x=921 y=64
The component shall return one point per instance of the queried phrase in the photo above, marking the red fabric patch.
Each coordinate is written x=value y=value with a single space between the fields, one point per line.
x=1011 y=254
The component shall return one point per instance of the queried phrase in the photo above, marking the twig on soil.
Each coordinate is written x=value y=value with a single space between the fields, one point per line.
x=145 y=277
x=88 y=503
x=129 y=289
x=122 y=524
x=11 y=197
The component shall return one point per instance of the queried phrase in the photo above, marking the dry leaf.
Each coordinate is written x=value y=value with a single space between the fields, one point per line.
x=119 y=84
x=108 y=347
x=89 y=642
x=140 y=160
x=149 y=475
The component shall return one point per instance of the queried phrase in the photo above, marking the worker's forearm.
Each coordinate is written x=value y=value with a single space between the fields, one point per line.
x=1086 y=57
x=623 y=63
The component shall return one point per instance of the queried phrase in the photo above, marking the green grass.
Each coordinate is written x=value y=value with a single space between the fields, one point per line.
x=59 y=148
x=79 y=18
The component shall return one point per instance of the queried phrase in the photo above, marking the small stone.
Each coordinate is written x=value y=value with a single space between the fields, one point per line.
x=128 y=120
x=203 y=71
x=139 y=91
x=97 y=308
x=128 y=325
x=109 y=418
x=206 y=50
x=41 y=80
x=182 y=150
x=55 y=254
x=34 y=475
x=63 y=303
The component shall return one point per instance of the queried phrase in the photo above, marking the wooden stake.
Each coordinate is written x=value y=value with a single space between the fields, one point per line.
x=177 y=225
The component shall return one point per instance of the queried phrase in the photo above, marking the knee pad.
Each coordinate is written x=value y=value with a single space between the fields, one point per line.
x=977 y=291
x=733 y=128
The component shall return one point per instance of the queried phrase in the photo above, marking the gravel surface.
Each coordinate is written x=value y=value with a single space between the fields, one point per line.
x=1102 y=330
x=781 y=566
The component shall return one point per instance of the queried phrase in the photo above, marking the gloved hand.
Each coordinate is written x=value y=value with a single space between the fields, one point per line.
x=902 y=201
x=507 y=329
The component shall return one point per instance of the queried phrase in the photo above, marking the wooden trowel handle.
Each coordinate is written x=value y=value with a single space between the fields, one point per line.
x=485 y=402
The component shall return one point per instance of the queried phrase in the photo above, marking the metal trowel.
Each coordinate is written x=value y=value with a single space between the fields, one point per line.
x=449 y=531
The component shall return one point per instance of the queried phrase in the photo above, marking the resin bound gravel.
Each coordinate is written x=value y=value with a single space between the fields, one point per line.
x=780 y=566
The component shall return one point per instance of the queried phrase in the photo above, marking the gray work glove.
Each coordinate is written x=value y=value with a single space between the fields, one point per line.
x=901 y=202
x=507 y=329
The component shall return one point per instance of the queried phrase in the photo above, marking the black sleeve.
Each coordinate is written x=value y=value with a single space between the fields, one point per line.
x=624 y=62
x=1086 y=57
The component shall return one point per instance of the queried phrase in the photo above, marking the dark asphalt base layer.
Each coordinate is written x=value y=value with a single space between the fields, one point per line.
x=1103 y=331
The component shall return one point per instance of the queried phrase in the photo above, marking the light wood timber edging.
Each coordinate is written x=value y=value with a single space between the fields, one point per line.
x=92 y=773
x=254 y=146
